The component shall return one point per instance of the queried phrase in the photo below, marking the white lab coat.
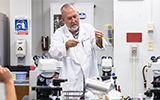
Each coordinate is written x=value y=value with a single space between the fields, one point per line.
x=76 y=59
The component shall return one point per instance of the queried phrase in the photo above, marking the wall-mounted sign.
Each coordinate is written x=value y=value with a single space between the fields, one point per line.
x=82 y=16
x=21 y=25
x=134 y=37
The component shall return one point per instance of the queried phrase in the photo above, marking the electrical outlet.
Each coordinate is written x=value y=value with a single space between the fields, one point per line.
x=150 y=46
x=134 y=49
x=150 y=27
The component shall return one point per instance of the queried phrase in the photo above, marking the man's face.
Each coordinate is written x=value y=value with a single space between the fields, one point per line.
x=71 y=18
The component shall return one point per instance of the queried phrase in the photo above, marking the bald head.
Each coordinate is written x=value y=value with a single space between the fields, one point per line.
x=65 y=6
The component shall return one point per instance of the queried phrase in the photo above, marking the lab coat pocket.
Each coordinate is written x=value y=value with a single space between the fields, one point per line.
x=87 y=47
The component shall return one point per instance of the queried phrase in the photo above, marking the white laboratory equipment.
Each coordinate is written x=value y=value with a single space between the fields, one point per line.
x=153 y=81
x=151 y=75
x=101 y=90
x=44 y=85
x=103 y=87
x=42 y=78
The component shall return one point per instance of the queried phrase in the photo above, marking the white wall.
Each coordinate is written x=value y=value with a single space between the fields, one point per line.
x=19 y=8
x=133 y=16
x=4 y=7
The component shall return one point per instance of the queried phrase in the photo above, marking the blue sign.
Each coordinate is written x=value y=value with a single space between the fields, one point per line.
x=21 y=25
x=82 y=16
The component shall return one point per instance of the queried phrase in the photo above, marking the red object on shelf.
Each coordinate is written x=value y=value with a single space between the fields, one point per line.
x=119 y=89
x=32 y=67
x=134 y=37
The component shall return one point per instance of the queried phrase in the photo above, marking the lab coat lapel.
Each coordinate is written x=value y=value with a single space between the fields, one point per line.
x=79 y=47
x=67 y=32
x=81 y=34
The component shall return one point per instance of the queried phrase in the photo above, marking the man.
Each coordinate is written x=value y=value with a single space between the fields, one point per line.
x=75 y=44
x=6 y=78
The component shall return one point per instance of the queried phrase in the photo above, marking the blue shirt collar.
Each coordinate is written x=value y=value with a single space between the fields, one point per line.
x=76 y=35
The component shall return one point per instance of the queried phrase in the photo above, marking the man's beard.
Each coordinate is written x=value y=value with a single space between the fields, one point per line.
x=73 y=27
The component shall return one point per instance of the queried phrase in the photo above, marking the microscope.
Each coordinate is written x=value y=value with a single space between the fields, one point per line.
x=102 y=85
x=153 y=79
x=108 y=71
x=44 y=84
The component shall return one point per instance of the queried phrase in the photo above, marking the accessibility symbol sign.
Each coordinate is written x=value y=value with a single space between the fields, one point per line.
x=21 y=25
